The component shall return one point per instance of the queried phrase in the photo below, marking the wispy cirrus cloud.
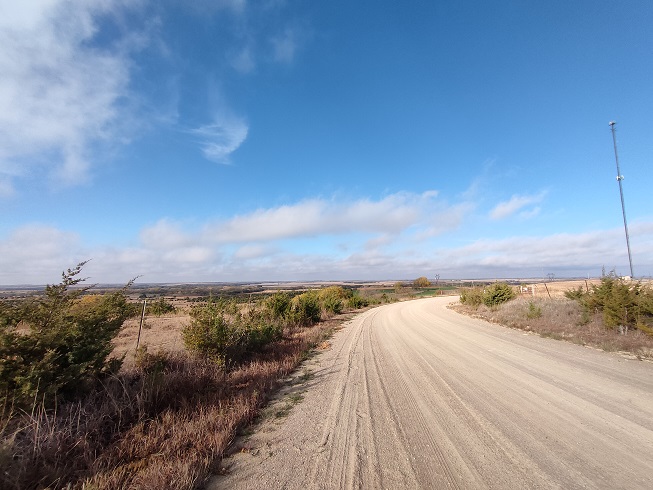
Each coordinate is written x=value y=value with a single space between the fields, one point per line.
x=221 y=138
x=69 y=87
x=59 y=93
x=515 y=204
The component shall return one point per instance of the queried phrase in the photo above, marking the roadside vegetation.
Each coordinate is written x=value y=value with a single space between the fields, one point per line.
x=159 y=307
x=613 y=315
x=73 y=414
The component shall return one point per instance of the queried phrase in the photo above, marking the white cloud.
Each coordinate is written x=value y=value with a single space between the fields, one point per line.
x=393 y=214
x=163 y=235
x=378 y=241
x=253 y=251
x=572 y=252
x=59 y=94
x=447 y=218
x=118 y=265
x=531 y=213
x=385 y=239
x=188 y=255
x=516 y=203
x=38 y=254
x=35 y=254
x=221 y=138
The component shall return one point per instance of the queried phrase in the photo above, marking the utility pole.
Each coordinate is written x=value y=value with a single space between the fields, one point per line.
x=621 y=193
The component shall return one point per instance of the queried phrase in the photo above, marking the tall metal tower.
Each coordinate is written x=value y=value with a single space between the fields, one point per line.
x=621 y=193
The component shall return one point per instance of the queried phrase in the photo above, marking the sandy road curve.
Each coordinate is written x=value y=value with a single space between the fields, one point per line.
x=414 y=395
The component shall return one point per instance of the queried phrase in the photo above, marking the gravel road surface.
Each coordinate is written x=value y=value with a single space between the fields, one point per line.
x=414 y=395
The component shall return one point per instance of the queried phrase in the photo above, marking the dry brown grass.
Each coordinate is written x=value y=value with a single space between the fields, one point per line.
x=164 y=423
x=562 y=319
x=556 y=289
x=159 y=333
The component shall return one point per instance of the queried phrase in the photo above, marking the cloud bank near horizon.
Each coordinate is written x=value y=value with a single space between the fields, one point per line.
x=387 y=238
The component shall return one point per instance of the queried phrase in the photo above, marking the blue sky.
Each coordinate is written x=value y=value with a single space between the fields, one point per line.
x=237 y=140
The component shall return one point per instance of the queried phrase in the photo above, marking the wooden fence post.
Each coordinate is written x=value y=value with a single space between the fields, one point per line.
x=140 y=328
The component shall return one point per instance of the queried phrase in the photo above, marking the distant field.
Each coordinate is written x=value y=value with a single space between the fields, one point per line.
x=164 y=332
x=557 y=288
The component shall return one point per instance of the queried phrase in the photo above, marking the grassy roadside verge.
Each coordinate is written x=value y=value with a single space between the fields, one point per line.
x=164 y=423
x=562 y=319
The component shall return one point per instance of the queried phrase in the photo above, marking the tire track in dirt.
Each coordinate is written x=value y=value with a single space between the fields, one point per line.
x=413 y=395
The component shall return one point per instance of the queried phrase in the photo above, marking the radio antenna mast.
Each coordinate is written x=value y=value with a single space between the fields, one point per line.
x=621 y=193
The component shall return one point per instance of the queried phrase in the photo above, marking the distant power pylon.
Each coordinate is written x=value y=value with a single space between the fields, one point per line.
x=621 y=193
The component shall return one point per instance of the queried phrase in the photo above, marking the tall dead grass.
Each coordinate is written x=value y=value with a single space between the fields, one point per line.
x=164 y=423
x=562 y=319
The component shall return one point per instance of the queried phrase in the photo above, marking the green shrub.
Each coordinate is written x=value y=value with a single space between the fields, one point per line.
x=331 y=299
x=618 y=300
x=66 y=342
x=160 y=307
x=279 y=305
x=333 y=305
x=262 y=331
x=620 y=306
x=497 y=293
x=214 y=334
x=356 y=301
x=220 y=332
x=471 y=296
x=623 y=304
x=645 y=310
x=306 y=309
x=575 y=294
x=534 y=311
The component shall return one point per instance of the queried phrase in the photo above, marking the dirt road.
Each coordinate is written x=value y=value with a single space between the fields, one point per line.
x=413 y=395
